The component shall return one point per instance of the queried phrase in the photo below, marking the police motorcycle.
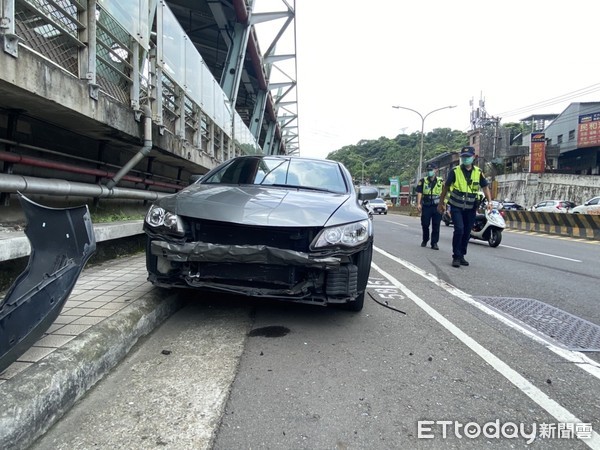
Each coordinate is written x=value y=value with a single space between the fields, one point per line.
x=488 y=226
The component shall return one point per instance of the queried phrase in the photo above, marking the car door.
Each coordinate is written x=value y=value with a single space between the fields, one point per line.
x=593 y=206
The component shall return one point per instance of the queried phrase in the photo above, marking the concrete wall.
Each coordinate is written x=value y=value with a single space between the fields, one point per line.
x=528 y=189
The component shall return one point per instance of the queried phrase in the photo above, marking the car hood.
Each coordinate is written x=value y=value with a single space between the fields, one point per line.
x=263 y=206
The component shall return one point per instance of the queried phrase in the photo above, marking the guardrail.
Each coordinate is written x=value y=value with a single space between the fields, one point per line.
x=109 y=43
x=564 y=224
x=408 y=210
x=584 y=226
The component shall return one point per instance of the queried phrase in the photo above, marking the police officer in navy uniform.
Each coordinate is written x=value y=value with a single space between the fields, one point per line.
x=462 y=186
x=429 y=189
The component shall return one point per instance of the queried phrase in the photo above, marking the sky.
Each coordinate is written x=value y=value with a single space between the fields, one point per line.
x=357 y=58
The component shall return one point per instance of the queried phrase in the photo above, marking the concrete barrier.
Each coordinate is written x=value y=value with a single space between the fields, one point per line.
x=16 y=245
x=573 y=225
x=408 y=210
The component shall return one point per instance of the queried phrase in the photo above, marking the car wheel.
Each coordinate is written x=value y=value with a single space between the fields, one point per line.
x=495 y=237
x=363 y=262
x=385 y=213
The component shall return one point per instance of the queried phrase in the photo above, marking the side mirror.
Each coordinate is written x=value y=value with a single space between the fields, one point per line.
x=367 y=193
x=195 y=177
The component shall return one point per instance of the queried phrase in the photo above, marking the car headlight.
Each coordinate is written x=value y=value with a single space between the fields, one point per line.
x=159 y=218
x=349 y=235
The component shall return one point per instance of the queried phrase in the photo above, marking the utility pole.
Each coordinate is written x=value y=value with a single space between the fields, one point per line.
x=423 y=117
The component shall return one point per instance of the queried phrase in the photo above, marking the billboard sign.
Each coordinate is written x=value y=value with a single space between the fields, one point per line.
x=537 y=156
x=394 y=187
x=588 y=132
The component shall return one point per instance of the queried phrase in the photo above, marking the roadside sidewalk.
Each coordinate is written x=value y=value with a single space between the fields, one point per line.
x=111 y=307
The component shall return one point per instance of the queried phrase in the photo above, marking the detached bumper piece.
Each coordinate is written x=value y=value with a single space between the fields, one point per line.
x=62 y=241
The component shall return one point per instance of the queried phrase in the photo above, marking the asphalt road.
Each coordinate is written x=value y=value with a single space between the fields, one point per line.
x=248 y=374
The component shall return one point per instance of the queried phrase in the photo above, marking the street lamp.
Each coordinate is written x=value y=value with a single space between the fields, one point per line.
x=363 y=169
x=423 y=117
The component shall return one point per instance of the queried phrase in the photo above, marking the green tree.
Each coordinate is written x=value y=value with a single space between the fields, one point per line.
x=386 y=158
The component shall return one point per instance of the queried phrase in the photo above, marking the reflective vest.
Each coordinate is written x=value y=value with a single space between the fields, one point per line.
x=464 y=194
x=432 y=191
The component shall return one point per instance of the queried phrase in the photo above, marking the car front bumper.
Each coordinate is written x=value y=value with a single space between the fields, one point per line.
x=256 y=270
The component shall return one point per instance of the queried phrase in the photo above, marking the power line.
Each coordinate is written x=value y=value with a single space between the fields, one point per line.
x=552 y=101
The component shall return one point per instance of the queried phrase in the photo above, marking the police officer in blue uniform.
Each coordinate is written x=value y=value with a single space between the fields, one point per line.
x=429 y=189
x=463 y=186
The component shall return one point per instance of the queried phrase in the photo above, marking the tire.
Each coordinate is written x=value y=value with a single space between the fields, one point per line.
x=495 y=237
x=356 y=305
x=363 y=262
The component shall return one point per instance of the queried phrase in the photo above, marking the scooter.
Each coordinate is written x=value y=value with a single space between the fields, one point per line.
x=488 y=227
x=367 y=207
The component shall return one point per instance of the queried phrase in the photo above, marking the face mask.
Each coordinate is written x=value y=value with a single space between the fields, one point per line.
x=430 y=173
x=467 y=160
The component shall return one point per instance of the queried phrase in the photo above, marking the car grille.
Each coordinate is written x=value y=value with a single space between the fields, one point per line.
x=242 y=274
x=288 y=238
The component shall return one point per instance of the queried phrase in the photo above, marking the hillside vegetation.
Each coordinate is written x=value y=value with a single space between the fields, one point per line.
x=385 y=157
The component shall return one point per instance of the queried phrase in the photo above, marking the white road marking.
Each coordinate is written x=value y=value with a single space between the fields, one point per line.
x=551 y=406
x=396 y=223
x=540 y=253
x=587 y=364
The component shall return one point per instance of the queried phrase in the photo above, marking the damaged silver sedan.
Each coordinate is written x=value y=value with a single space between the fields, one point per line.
x=278 y=227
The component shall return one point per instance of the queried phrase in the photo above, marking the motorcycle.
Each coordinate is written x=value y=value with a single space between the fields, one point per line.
x=367 y=207
x=488 y=227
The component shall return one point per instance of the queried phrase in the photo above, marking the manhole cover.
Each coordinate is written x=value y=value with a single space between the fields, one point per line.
x=570 y=331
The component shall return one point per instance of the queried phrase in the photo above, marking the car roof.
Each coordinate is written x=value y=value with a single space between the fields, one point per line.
x=303 y=158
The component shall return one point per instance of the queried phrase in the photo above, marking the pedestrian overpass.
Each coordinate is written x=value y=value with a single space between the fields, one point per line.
x=127 y=98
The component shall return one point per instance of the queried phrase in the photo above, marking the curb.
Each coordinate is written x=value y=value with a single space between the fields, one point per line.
x=16 y=245
x=43 y=393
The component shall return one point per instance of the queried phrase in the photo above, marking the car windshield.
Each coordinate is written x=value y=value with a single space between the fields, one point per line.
x=377 y=200
x=281 y=171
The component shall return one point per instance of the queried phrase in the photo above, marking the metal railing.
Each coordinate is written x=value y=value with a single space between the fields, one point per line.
x=110 y=43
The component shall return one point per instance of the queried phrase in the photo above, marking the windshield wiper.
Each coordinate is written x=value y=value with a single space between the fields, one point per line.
x=272 y=170
x=308 y=188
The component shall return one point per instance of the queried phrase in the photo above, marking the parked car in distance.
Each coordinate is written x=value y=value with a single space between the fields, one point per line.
x=379 y=206
x=557 y=206
x=512 y=206
x=279 y=227
x=592 y=206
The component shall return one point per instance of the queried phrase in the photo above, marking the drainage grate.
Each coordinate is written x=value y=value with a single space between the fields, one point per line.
x=568 y=330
